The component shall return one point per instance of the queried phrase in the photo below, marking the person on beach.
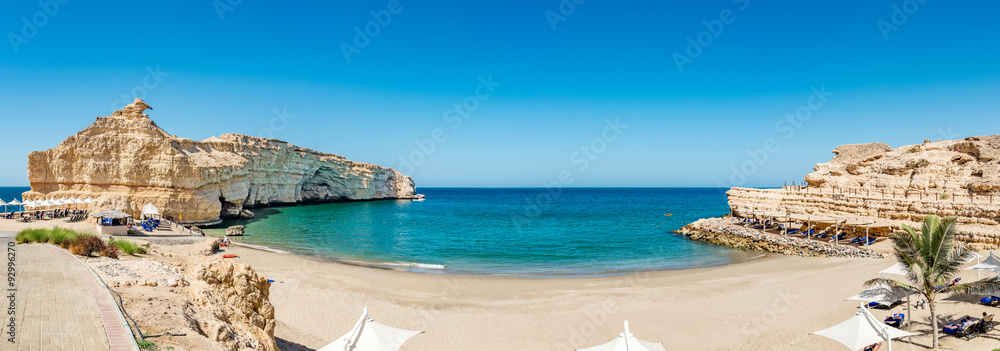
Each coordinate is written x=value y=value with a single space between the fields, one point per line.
x=873 y=347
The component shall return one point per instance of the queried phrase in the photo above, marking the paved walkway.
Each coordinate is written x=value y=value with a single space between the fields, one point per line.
x=61 y=306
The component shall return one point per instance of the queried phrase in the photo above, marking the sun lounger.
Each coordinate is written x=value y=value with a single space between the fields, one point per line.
x=992 y=301
x=895 y=320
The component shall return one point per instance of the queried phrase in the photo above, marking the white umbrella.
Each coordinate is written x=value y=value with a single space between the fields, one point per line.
x=149 y=209
x=4 y=204
x=991 y=264
x=881 y=294
x=862 y=330
x=369 y=335
x=627 y=342
x=896 y=269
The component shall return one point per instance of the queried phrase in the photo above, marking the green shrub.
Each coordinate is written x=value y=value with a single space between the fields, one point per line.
x=61 y=235
x=79 y=243
x=33 y=236
x=147 y=345
x=945 y=196
x=126 y=246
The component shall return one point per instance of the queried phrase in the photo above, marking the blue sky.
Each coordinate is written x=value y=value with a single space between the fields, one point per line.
x=560 y=72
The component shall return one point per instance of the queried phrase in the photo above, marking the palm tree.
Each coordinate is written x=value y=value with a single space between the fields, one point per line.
x=932 y=262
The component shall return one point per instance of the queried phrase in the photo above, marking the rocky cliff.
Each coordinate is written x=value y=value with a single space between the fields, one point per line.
x=875 y=182
x=963 y=167
x=128 y=159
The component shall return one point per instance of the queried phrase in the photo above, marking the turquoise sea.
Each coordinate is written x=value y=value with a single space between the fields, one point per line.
x=520 y=232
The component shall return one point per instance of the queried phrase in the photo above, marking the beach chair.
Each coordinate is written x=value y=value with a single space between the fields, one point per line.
x=977 y=329
x=895 y=320
x=991 y=301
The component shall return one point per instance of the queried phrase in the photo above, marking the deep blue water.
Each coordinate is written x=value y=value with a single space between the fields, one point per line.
x=579 y=231
x=8 y=194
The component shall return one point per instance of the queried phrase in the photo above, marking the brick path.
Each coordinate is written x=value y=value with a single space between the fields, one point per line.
x=61 y=306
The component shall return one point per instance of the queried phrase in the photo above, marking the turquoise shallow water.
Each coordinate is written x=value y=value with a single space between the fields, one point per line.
x=524 y=232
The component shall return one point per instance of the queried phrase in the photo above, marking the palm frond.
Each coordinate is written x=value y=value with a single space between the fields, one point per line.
x=988 y=286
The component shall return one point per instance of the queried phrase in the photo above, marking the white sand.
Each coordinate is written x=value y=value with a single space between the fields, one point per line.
x=766 y=304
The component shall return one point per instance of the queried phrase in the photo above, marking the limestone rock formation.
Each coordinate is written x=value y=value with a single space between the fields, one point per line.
x=129 y=159
x=876 y=183
x=967 y=166
x=229 y=305
x=236 y=230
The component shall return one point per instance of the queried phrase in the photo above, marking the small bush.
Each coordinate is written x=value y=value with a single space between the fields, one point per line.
x=61 y=235
x=126 y=246
x=87 y=245
x=33 y=236
x=945 y=196
x=147 y=345
x=110 y=251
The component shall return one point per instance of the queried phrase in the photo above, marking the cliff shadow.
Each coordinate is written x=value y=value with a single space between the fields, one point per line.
x=260 y=214
x=286 y=345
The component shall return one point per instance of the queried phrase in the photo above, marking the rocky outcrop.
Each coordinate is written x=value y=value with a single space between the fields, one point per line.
x=229 y=304
x=130 y=161
x=236 y=230
x=876 y=183
x=963 y=167
x=726 y=232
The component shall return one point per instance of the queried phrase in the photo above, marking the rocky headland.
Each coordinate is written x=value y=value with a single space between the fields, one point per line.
x=877 y=183
x=125 y=161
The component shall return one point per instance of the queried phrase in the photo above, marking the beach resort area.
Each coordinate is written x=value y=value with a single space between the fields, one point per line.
x=485 y=176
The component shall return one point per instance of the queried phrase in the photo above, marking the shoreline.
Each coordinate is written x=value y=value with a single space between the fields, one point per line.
x=400 y=266
x=768 y=303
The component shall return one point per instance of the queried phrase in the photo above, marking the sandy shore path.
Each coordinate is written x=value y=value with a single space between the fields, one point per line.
x=766 y=304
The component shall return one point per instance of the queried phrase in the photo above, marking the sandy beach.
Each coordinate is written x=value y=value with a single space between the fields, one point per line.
x=766 y=304
x=771 y=303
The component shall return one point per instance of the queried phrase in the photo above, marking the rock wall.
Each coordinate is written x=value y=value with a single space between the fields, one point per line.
x=128 y=155
x=955 y=178
x=725 y=232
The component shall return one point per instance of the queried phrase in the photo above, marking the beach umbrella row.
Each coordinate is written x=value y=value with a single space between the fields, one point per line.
x=56 y=202
x=369 y=335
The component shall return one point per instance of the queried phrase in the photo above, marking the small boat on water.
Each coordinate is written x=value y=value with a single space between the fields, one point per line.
x=418 y=197
x=669 y=214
